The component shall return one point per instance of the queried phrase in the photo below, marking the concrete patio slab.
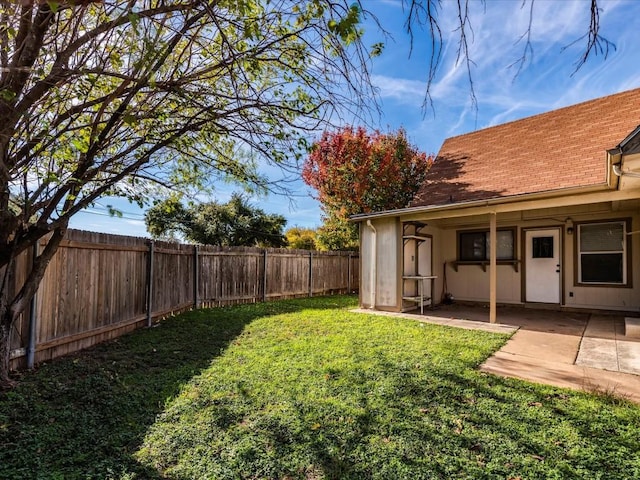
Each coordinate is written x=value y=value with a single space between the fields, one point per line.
x=598 y=353
x=632 y=327
x=601 y=326
x=628 y=357
x=564 y=375
x=605 y=346
x=555 y=347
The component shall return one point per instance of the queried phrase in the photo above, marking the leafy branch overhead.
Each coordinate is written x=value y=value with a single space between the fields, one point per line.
x=133 y=98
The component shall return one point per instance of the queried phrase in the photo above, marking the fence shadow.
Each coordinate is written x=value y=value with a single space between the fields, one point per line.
x=99 y=404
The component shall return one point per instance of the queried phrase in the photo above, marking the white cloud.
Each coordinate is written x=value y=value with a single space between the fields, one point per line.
x=400 y=89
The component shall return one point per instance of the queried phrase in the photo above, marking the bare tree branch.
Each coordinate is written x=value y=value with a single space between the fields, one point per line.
x=527 y=51
x=426 y=14
x=596 y=43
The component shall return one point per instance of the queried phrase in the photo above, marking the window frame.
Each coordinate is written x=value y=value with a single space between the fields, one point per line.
x=626 y=254
x=486 y=232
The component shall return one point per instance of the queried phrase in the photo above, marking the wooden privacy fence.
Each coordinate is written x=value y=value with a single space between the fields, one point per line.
x=100 y=286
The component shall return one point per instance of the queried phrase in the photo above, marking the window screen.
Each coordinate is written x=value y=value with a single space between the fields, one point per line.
x=472 y=246
x=602 y=253
x=476 y=245
x=601 y=237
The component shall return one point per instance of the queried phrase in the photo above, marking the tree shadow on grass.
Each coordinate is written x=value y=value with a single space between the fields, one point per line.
x=445 y=422
x=83 y=416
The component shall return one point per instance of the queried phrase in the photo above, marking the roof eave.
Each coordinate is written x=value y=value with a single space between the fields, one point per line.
x=628 y=138
x=549 y=194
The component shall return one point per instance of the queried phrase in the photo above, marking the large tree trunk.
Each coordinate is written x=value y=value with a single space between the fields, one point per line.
x=11 y=306
x=5 y=349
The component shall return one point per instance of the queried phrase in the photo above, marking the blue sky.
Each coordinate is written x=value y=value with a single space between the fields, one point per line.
x=547 y=81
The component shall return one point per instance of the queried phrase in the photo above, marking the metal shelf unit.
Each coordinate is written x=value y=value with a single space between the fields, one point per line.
x=412 y=234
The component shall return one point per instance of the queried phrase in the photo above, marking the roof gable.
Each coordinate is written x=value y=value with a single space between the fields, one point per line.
x=561 y=149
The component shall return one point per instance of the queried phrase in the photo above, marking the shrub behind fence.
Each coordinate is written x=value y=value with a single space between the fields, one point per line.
x=100 y=286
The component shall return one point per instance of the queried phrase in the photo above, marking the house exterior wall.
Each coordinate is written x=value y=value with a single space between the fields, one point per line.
x=471 y=282
x=614 y=298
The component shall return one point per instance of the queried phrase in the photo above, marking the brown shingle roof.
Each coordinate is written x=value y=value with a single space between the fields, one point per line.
x=555 y=150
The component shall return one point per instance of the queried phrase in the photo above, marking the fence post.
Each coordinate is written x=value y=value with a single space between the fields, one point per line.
x=311 y=273
x=264 y=276
x=196 y=276
x=149 y=282
x=349 y=273
x=33 y=319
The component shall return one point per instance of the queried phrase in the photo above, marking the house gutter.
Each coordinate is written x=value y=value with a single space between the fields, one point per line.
x=482 y=203
x=374 y=267
x=616 y=155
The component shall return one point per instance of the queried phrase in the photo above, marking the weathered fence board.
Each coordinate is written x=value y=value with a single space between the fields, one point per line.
x=97 y=286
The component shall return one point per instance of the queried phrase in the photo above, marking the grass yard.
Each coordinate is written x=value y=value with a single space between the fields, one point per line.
x=304 y=389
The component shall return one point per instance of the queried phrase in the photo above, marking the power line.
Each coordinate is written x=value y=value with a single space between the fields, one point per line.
x=107 y=214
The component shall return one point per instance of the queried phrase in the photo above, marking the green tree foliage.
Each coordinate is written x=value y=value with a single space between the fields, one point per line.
x=301 y=238
x=122 y=97
x=354 y=172
x=337 y=234
x=235 y=223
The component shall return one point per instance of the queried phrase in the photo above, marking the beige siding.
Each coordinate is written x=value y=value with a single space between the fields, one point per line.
x=613 y=298
x=471 y=282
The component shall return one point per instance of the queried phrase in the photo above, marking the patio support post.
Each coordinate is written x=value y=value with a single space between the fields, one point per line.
x=493 y=274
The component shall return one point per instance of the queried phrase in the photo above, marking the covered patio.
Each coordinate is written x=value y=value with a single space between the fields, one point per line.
x=578 y=350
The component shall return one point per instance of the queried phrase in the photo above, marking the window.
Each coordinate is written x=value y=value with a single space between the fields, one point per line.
x=602 y=253
x=475 y=246
x=542 y=247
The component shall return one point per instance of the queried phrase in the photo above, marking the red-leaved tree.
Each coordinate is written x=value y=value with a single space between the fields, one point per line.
x=359 y=172
x=355 y=172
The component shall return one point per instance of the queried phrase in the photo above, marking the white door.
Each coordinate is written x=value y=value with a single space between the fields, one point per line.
x=542 y=265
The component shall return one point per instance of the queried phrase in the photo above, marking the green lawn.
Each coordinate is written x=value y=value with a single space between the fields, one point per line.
x=305 y=389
